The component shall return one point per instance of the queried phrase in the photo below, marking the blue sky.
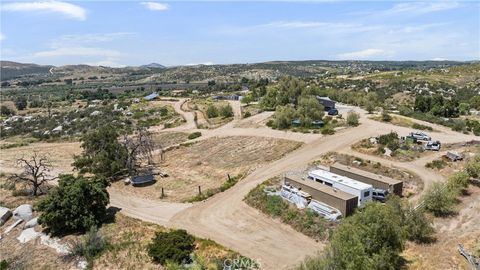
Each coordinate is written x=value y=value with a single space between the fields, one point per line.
x=119 y=33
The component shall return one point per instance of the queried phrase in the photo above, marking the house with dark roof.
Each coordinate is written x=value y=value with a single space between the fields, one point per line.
x=326 y=102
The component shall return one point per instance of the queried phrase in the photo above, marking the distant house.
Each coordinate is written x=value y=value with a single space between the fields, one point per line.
x=152 y=96
x=326 y=102
x=231 y=97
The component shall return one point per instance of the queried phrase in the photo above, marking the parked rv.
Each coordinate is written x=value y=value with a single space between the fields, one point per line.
x=361 y=190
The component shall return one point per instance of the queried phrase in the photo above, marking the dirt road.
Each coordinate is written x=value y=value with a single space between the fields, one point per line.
x=226 y=219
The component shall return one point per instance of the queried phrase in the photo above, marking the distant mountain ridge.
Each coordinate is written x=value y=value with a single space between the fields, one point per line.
x=153 y=65
x=9 y=69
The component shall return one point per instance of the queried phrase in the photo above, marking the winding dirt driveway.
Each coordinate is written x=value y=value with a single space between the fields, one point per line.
x=226 y=219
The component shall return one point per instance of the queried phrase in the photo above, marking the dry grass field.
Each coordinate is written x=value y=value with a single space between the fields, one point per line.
x=207 y=164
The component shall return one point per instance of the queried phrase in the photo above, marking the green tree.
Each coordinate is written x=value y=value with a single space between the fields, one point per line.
x=102 y=153
x=373 y=238
x=174 y=246
x=21 y=103
x=284 y=116
x=77 y=204
x=464 y=108
x=475 y=102
x=353 y=119
x=439 y=200
x=370 y=106
x=309 y=109
x=247 y=99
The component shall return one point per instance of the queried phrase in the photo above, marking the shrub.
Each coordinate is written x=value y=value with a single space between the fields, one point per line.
x=328 y=131
x=353 y=119
x=418 y=226
x=386 y=117
x=436 y=164
x=275 y=205
x=457 y=182
x=174 y=246
x=20 y=192
x=385 y=139
x=473 y=167
x=439 y=200
x=226 y=111
x=90 y=246
x=421 y=127
x=21 y=103
x=77 y=204
x=212 y=111
x=194 y=135
x=247 y=114
x=4 y=110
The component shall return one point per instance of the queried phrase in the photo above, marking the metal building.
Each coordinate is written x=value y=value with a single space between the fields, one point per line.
x=345 y=202
x=377 y=181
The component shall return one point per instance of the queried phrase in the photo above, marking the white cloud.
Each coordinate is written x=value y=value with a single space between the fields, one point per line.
x=422 y=7
x=439 y=59
x=197 y=64
x=2 y=36
x=68 y=9
x=365 y=54
x=106 y=63
x=77 y=51
x=313 y=26
x=75 y=40
x=155 y=6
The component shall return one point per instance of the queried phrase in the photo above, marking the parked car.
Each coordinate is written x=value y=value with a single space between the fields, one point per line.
x=433 y=145
x=380 y=195
x=333 y=112
x=420 y=136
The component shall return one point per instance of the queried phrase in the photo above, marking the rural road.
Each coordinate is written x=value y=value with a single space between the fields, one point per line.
x=226 y=219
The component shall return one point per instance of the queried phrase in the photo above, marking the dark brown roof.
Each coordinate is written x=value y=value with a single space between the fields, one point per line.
x=320 y=187
x=373 y=176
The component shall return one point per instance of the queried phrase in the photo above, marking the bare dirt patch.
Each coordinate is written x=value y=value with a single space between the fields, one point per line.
x=207 y=164
x=168 y=139
x=412 y=183
x=461 y=228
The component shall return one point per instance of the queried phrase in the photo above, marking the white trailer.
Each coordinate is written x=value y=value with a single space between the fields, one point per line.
x=362 y=190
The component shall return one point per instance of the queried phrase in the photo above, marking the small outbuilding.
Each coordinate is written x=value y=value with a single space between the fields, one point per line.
x=139 y=180
x=326 y=102
x=152 y=96
x=345 y=202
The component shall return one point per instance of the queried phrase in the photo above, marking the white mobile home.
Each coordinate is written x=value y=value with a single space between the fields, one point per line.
x=362 y=190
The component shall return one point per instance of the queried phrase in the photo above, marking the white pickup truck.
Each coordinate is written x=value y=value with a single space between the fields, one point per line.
x=420 y=136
